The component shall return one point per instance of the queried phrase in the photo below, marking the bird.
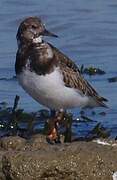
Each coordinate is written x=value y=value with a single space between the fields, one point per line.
x=47 y=74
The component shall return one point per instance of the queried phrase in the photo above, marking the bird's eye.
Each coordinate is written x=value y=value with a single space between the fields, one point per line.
x=34 y=27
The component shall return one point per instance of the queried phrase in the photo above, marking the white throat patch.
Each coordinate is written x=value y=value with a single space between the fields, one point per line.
x=38 y=39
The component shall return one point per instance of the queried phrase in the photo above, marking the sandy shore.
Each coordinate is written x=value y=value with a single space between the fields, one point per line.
x=35 y=159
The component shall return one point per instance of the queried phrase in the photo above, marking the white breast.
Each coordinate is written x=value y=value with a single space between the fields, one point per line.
x=50 y=91
x=37 y=40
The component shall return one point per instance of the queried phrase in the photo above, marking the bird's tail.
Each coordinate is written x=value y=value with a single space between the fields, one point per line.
x=102 y=103
x=97 y=102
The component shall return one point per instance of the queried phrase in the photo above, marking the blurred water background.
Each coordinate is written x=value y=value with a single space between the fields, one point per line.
x=87 y=33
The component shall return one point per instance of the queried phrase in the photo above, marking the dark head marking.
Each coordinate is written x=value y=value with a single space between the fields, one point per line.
x=31 y=29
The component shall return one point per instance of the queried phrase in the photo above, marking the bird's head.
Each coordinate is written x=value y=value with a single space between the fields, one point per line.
x=31 y=30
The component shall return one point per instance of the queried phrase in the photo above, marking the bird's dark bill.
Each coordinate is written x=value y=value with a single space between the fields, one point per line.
x=47 y=33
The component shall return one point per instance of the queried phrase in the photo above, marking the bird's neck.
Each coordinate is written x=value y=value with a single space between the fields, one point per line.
x=38 y=56
x=21 y=57
x=42 y=58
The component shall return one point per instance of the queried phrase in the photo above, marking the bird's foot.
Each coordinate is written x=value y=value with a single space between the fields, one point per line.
x=52 y=131
x=53 y=137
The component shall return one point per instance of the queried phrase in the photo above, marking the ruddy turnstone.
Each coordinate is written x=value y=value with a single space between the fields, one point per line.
x=48 y=75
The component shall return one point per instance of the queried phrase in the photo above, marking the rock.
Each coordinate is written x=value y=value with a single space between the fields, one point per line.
x=91 y=70
x=34 y=166
x=113 y=79
x=77 y=161
x=38 y=142
x=2 y=176
x=12 y=143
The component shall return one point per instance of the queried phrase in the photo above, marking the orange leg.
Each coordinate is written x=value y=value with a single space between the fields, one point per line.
x=53 y=124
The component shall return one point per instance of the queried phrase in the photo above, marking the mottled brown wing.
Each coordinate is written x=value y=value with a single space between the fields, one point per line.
x=74 y=79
